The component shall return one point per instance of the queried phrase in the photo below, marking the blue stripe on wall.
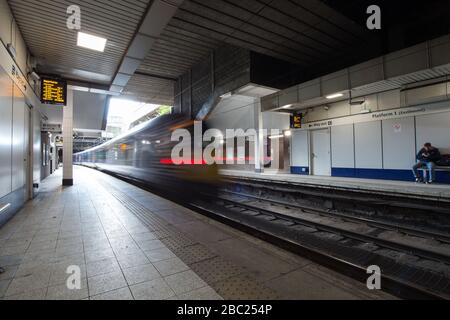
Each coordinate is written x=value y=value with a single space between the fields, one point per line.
x=382 y=174
x=343 y=172
x=385 y=174
x=443 y=176
x=300 y=170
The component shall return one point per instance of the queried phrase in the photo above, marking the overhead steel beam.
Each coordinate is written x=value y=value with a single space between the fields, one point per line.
x=146 y=74
x=158 y=15
x=86 y=84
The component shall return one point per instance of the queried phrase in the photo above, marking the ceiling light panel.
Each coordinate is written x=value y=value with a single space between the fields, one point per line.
x=91 y=42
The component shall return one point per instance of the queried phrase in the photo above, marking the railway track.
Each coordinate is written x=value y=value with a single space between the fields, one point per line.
x=293 y=221
x=377 y=223
x=400 y=279
x=335 y=194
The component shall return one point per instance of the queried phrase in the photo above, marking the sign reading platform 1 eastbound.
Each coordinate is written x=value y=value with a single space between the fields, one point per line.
x=53 y=91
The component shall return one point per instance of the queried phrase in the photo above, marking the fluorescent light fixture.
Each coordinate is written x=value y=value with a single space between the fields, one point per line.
x=276 y=136
x=287 y=133
x=286 y=106
x=101 y=91
x=110 y=93
x=335 y=95
x=79 y=88
x=91 y=42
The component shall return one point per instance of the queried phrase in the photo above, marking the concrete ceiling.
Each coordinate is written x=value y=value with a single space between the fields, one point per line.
x=298 y=31
x=318 y=35
x=303 y=32
x=43 y=25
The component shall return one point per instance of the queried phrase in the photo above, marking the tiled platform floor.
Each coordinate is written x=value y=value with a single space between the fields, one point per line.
x=391 y=187
x=131 y=244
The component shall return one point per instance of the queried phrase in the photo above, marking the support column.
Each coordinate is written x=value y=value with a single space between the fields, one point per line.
x=68 y=140
x=259 y=139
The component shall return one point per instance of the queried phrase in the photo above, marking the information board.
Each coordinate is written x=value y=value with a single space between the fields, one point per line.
x=296 y=120
x=53 y=91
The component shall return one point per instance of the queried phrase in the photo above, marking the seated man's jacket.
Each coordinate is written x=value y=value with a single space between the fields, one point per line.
x=432 y=155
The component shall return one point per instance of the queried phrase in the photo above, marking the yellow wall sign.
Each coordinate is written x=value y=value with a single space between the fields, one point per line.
x=53 y=91
x=296 y=122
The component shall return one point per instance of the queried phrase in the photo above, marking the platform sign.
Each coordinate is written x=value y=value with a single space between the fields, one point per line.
x=296 y=120
x=51 y=127
x=53 y=91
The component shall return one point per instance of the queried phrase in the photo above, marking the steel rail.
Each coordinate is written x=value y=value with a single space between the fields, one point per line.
x=431 y=255
x=375 y=223
x=360 y=195
x=392 y=284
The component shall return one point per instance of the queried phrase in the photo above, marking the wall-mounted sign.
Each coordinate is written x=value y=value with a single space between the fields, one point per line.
x=18 y=78
x=296 y=120
x=381 y=115
x=51 y=127
x=59 y=141
x=8 y=64
x=53 y=91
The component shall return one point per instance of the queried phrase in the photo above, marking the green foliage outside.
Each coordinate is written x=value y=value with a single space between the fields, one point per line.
x=163 y=110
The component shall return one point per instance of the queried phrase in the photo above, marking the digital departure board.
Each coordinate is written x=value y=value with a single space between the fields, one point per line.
x=53 y=91
x=296 y=120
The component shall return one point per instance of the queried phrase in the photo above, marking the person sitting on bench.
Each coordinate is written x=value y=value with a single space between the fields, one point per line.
x=426 y=157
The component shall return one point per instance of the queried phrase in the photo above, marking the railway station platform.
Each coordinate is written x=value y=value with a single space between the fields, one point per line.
x=131 y=244
x=411 y=189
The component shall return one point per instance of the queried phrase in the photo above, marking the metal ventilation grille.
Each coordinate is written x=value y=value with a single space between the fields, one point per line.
x=398 y=82
x=445 y=69
x=43 y=26
x=150 y=90
x=418 y=76
x=374 y=87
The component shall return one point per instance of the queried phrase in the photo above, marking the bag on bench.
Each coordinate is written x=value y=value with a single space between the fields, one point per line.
x=444 y=161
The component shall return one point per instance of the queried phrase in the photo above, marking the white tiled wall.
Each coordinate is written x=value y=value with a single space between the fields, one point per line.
x=342 y=146
x=300 y=149
x=398 y=143
x=368 y=147
x=387 y=144
x=68 y=137
x=434 y=128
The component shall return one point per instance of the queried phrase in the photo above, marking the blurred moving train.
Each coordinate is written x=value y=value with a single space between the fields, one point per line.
x=143 y=155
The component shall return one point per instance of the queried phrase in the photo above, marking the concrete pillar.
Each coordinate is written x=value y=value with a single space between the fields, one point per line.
x=275 y=145
x=68 y=140
x=259 y=139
